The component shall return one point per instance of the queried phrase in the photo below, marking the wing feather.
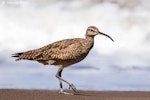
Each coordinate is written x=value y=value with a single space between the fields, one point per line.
x=63 y=50
x=60 y=50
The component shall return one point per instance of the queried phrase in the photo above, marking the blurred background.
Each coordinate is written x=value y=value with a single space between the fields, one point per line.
x=120 y=65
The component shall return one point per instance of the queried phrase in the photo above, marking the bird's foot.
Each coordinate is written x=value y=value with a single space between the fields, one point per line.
x=63 y=92
x=71 y=86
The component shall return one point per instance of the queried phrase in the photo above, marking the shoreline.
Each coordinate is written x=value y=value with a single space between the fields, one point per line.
x=23 y=94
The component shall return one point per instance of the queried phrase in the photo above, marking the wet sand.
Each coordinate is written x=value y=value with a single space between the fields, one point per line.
x=16 y=94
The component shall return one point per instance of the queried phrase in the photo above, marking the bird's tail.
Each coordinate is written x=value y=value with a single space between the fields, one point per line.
x=16 y=55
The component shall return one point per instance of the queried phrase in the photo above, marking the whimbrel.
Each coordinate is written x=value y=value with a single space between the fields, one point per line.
x=63 y=53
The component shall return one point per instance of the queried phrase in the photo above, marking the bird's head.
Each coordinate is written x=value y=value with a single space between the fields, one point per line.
x=93 y=31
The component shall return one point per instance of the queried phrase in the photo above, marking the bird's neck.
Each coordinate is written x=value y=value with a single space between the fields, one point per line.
x=89 y=41
x=90 y=38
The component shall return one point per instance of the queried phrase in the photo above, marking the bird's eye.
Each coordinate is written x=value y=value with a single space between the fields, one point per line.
x=92 y=30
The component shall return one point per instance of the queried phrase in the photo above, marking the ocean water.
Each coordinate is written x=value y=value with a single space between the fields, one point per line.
x=120 y=65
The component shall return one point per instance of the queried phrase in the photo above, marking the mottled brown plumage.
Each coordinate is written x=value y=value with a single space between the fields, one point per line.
x=63 y=53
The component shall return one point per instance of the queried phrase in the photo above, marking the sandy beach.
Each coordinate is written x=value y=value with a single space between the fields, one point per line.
x=18 y=94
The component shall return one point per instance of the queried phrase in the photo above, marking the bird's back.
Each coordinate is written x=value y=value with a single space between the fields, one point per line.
x=64 y=52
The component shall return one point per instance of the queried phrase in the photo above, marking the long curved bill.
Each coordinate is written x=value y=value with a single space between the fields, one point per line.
x=106 y=35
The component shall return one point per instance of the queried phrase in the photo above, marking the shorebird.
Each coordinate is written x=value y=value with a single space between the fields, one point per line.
x=63 y=53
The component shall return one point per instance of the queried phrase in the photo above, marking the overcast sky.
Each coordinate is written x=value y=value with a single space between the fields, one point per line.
x=120 y=65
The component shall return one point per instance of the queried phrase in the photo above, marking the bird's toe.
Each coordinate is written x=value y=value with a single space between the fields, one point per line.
x=63 y=92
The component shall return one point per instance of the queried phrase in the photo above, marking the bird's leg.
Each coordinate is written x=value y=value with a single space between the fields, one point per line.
x=61 y=89
x=60 y=81
x=58 y=75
